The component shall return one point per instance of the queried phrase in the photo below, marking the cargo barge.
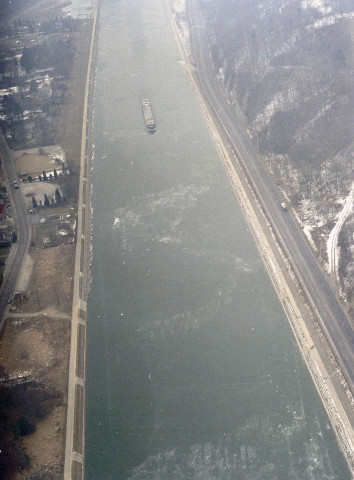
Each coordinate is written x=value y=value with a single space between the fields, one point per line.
x=149 y=117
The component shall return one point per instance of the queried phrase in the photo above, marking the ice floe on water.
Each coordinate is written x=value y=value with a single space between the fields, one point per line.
x=234 y=456
x=155 y=223
x=162 y=212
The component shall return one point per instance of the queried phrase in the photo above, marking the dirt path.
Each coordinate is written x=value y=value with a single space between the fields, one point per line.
x=49 y=312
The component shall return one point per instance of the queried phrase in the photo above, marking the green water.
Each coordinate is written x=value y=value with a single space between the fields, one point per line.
x=192 y=369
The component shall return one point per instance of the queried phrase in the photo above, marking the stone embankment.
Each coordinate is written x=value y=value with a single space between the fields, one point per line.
x=75 y=427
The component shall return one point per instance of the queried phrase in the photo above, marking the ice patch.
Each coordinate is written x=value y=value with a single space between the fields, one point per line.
x=166 y=209
x=234 y=456
x=168 y=240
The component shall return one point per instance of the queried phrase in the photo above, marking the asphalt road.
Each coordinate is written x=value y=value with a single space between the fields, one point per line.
x=19 y=249
x=335 y=323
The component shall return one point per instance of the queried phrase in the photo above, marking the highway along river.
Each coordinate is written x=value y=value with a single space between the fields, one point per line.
x=192 y=369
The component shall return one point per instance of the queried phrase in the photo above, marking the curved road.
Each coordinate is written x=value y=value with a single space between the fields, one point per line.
x=333 y=319
x=333 y=237
x=19 y=249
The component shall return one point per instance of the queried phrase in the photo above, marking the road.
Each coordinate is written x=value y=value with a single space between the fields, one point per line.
x=19 y=249
x=335 y=323
x=333 y=236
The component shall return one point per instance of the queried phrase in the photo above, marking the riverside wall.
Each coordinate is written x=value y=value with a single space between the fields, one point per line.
x=75 y=424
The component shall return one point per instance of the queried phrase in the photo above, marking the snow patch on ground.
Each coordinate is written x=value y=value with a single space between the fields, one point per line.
x=282 y=100
x=320 y=5
x=8 y=91
x=308 y=232
x=79 y=9
x=242 y=56
x=179 y=6
x=37 y=190
x=306 y=130
x=286 y=46
x=179 y=11
x=329 y=20
x=54 y=151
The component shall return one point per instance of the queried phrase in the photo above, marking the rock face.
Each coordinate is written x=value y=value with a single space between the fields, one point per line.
x=286 y=67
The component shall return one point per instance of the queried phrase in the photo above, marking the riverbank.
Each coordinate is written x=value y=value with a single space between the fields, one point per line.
x=335 y=393
x=35 y=344
x=75 y=424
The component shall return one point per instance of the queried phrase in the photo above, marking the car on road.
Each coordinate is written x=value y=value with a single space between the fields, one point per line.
x=15 y=184
x=283 y=206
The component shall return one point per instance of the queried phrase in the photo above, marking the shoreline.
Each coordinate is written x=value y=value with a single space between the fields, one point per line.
x=35 y=342
x=322 y=379
x=75 y=422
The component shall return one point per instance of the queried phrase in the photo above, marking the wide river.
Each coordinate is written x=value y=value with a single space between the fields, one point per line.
x=192 y=369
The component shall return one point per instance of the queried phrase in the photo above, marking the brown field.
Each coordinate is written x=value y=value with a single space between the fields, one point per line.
x=36 y=343
x=33 y=164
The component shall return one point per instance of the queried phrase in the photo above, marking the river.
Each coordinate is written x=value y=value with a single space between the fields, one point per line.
x=192 y=369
